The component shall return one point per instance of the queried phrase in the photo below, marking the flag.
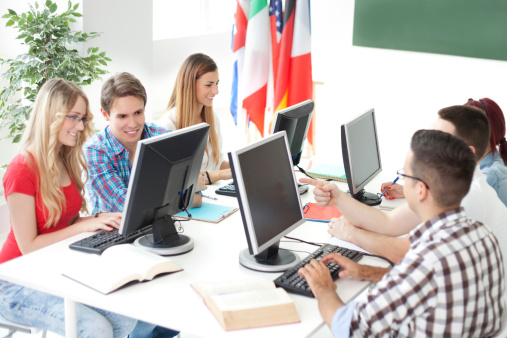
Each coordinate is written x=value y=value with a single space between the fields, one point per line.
x=294 y=82
x=276 y=27
x=301 y=82
x=238 y=50
x=254 y=82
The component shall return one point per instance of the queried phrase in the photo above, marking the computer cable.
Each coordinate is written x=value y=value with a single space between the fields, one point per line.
x=314 y=178
x=320 y=244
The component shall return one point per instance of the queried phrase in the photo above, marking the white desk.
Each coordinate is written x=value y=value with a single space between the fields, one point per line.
x=169 y=300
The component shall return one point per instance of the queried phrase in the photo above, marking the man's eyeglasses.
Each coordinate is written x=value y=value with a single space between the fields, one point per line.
x=402 y=175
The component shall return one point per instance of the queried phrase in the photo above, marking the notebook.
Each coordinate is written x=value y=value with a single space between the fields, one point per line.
x=328 y=171
x=208 y=212
x=320 y=214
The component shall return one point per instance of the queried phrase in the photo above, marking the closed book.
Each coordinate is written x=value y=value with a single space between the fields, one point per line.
x=208 y=212
x=328 y=171
x=247 y=303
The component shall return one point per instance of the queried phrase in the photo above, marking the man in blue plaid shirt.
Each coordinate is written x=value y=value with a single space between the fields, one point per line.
x=451 y=281
x=110 y=153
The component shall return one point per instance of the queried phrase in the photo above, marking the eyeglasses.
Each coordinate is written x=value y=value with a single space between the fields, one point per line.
x=77 y=119
x=402 y=175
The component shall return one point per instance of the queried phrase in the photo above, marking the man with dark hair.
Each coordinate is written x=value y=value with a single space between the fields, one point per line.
x=450 y=282
x=379 y=232
x=110 y=153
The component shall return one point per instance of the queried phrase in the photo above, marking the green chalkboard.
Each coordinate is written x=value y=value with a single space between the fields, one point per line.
x=474 y=28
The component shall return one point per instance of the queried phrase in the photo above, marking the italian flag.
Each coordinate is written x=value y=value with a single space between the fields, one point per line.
x=254 y=81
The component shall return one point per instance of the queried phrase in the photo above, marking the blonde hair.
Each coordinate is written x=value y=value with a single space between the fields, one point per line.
x=184 y=97
x=54 y=100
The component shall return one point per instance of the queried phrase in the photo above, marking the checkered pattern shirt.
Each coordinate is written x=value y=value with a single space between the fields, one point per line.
x=109 y=169
x=449 y=284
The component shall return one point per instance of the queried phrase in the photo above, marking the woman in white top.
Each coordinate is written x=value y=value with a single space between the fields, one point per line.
x=191 y=103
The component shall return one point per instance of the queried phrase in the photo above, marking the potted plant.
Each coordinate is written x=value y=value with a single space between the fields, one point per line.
x=51 y=53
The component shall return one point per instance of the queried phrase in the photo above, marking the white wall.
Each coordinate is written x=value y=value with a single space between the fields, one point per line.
x=405 y=88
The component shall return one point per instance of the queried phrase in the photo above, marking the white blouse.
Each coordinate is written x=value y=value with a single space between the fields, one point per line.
x=168 y=120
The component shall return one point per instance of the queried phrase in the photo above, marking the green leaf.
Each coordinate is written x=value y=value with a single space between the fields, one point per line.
x=17 y=138
x=48 y=3
x=9 y=23
x=12 y=12
x=53 y=8
x=30 y=17
x=77 y=14
x=6 y=16
x=76 y=6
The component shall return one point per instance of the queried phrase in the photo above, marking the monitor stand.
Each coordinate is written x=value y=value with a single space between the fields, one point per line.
x=165 y=240
x=367 y=198
x=273 y=259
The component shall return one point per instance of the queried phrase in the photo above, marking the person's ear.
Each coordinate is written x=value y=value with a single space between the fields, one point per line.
x=472 y=148
x=422 y=191
x=105 y=114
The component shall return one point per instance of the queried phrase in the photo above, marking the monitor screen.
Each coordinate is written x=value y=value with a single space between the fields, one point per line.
x=162 y=183
x=269 y=201
x=295 y=121
x=361 y=156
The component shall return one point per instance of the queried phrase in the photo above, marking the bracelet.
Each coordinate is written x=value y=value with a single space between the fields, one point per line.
x=97 y=214
x=209 y=180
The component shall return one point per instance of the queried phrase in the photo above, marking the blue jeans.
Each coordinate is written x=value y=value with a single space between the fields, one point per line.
x=34 y=308
x=147 y=330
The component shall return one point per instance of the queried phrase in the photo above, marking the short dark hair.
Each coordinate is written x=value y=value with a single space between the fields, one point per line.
x=445 y=162
x=121 y=85
x=472 y=125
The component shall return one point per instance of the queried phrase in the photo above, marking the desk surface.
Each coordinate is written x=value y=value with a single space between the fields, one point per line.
x=169 y=300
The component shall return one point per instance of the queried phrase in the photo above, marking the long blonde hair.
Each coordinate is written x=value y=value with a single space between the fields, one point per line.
x=54 y=100
x=184 y=97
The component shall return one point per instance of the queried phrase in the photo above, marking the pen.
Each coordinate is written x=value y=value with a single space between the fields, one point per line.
x=210 y=197
x=383 y=192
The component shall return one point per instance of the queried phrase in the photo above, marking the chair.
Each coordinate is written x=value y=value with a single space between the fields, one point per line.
x=4 y=323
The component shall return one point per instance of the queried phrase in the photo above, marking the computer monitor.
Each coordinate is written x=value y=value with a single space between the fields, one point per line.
x=162 y=183
x=361 y=156
x=295 y=121
x=268 y=200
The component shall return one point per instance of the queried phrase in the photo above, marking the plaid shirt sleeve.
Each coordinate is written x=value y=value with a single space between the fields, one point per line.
x=398 y=298
x=106 y=188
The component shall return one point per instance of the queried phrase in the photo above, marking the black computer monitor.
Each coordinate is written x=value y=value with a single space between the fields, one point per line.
x=295 y=121
x=163 y=182
x=268 y=200
x=361 y=156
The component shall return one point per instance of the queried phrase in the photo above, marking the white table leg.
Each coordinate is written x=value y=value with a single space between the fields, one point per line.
x=70 y=318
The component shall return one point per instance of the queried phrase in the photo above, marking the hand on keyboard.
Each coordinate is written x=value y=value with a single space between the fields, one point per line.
x=102 y=221
x=292 y=281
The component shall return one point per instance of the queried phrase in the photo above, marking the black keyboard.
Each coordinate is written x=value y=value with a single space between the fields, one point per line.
x=291 y=281
x=230 y=189
x=102 y=240
x=227 y=190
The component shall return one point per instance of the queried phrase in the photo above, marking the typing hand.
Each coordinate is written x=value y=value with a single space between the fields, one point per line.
x=350 y=268
x=318 y=277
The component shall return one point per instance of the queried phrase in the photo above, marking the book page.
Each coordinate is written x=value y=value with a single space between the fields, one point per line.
x=232 y=286
x=251 y=299
x=127 y=258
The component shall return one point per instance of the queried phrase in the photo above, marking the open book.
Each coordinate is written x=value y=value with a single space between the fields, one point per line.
x=246 y=303
x=119 y=265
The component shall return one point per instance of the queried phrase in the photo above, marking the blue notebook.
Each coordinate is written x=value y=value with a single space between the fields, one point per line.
x=208 y=212
x=328 y=171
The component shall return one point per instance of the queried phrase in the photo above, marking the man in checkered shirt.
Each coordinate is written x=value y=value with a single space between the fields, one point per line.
x=110 y=154
x=451 y=281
